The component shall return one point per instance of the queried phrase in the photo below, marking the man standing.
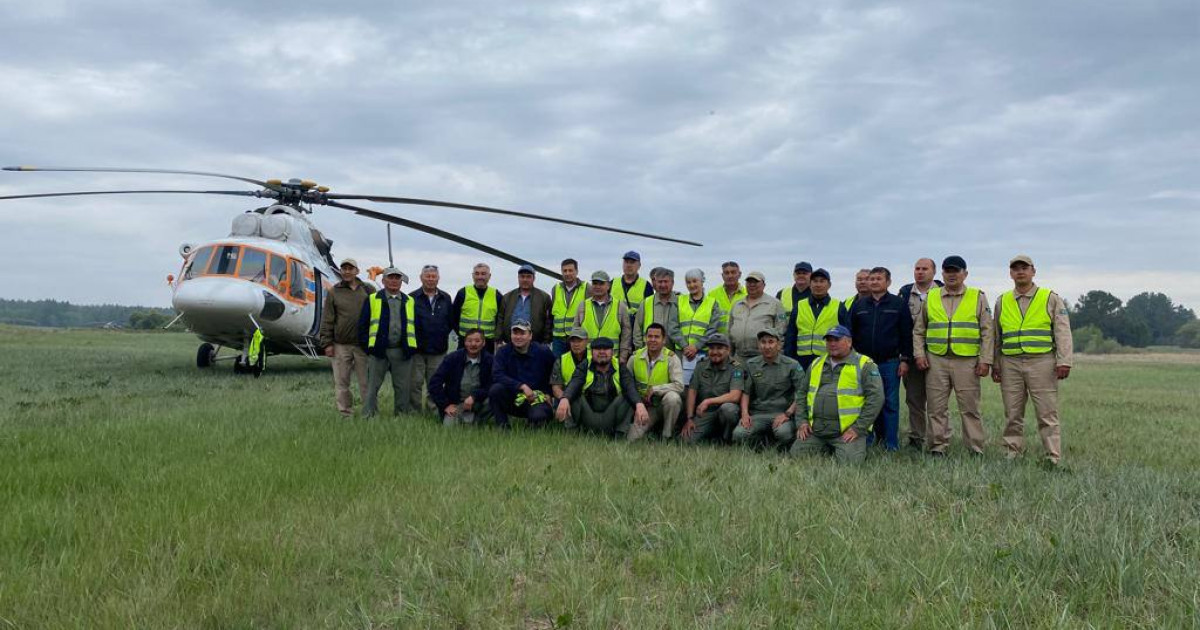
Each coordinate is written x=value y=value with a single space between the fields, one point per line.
x=521 y=378
x=527 y=303
x=882 y=329
x=714 y=394
x=862 y=287
x=477 y=306
x=952 y=339
x=753 y=314
x=799 y=290
x=565 y=298
x=339 y=336
x=914 y=295
x=601 y=396
x=601 y=316
x=659 y=379
x=699 y=319
x=1033 y=353
x=577 y=354
x=814 y=316
x=459 y=387
x=660 y=308
x=631 y=290
x=730 y=291
x=388 y=333
x=839 y=397
x=432 y=306
x=772 y=384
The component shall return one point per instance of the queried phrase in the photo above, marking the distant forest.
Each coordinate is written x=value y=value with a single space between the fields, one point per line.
x=56 y=314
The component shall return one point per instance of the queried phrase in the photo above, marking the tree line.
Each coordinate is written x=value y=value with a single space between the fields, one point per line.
x=1102 y=322
x=59 y=314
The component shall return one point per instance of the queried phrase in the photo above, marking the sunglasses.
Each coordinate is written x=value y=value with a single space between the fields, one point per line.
x=429 y=268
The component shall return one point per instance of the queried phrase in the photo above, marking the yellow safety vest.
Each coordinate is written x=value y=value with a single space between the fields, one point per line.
x=610 y=327
x=850 y=397
x=566 y=364
x=726 y=303
x=614 y=370
x=694 y=323
x=564 y=312
x=647 y=379
x=478 y=313
x=958 y=333
x=410 y=321
x=849 y=302
x=811 y=329
x=633 y=299
x=785 y=299
x=1031 y=333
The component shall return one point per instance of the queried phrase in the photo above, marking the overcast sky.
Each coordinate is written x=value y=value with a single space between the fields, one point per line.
x=847 y=134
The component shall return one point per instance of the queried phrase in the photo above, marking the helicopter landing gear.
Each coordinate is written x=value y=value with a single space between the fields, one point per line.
x=206 y=355
x=242 y=366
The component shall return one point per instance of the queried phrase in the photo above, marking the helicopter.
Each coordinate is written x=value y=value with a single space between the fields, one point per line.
x=265 y=283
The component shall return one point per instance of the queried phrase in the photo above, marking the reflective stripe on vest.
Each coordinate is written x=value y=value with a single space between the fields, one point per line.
x=616 y=376
x=478 y=313
x=566 y=364
x=611 y=327
x=694 y=323
x=1031 y=333
x=722 y=298
x=811 y=329
x=410 y=318
x=647 y=379
x=958 y=333
x=637 y=292
x=850 y=397
x=564 y=312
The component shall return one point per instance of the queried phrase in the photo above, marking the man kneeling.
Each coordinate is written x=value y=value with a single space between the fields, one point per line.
x=771 y=394
x=659 y=376
x=841 y=396
x=713 y=394
x=601 y=396
x=459 y=386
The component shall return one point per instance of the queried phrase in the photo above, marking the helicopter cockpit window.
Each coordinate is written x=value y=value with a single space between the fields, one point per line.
x=254 y=265
x=298 y=281
x=277 y=271
x=225 y=261
x=198 y=263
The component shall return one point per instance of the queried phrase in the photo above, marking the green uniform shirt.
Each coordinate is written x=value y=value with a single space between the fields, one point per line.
x=772 y=387
x=712 y=381
x=826 y=422
x=395 y=313
x=470 y=379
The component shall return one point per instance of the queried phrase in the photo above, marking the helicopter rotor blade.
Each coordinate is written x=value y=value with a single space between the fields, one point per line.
x=97 y=169
x=421 y=227
x=511 y=213
x=82 y=193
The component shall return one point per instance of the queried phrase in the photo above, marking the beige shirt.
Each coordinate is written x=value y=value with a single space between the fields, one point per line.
x=746 y=321
x=1064 y=343
x=666 y=312
x=950 y=302
x=674 y=372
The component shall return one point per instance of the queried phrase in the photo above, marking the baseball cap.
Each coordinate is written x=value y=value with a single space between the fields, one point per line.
x=577 y=333
x=632 y=255
x=602 y=342
x=802 y=266
x=348 y=261
x=756 y=275
x=838 y=332
x=526 y=268
x=392 y=271
x=1021 y=258
x=522 y=324
x=718 y=339
x=600 y=276
x=774 y=332
x=954 y=262
x=821 y=273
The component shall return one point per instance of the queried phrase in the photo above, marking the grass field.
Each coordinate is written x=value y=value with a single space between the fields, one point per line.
x=138 y=491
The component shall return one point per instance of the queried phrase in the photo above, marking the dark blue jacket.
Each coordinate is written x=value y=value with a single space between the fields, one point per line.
x=444 y=384
x=433 y=321
x=882 y=328
x=513 y=369
x=385 y=318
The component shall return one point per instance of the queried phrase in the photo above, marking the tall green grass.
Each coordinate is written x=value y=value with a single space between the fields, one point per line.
x=138 y=491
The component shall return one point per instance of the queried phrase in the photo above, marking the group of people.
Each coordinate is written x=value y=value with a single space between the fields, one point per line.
x=799 y=371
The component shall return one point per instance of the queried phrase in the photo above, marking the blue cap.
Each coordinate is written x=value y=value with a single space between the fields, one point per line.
x=838 y=331
x=526 y=268
x=954 y=262
x=632 y=255
x=802 y=266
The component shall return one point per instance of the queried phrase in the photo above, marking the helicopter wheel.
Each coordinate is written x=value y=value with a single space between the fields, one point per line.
x=206 y=355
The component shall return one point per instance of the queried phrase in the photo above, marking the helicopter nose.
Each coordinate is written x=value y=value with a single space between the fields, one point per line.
x=218 y=300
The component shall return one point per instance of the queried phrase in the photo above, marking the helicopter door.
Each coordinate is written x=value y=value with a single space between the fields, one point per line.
x=319 y=300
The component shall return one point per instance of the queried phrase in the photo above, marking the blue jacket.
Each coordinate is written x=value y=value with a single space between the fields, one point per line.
x=882 y=329
x=385 y=318
x=513 y=369
x=444 y=384
x=433 y=321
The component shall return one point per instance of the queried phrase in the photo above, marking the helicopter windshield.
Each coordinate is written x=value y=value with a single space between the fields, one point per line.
x=199 y=263
x=254 y=265
x=225 y=261
x=250 y=263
